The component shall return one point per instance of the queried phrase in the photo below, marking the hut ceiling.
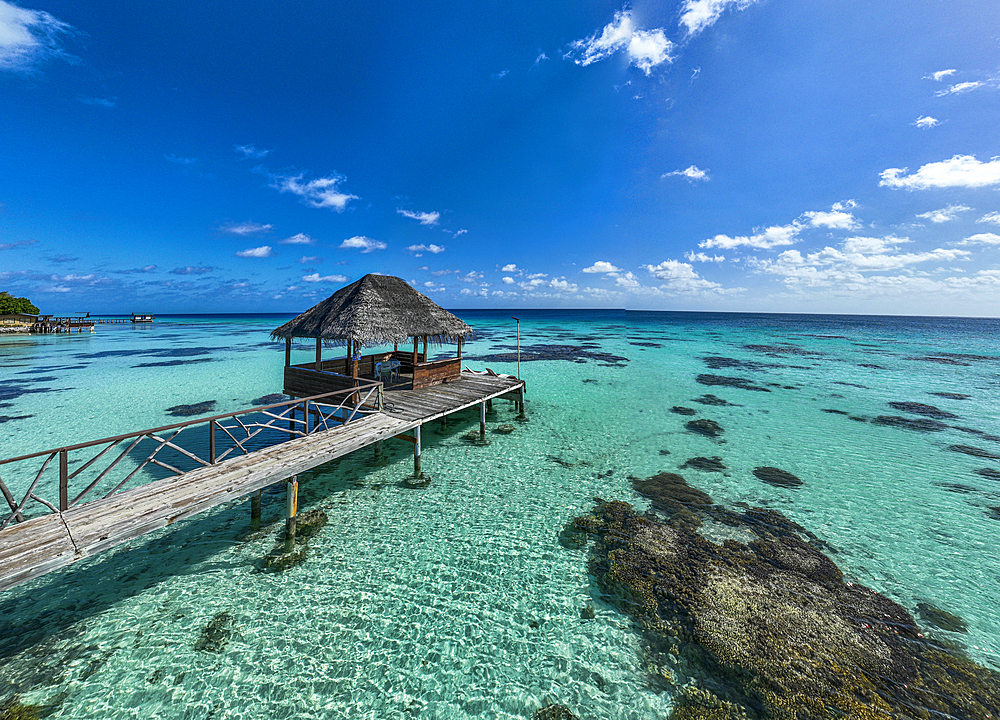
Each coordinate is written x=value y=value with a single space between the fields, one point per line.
x=375 y=310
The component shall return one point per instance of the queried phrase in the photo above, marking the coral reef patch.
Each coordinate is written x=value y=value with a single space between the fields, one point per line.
x=708 y=428
x=215 y=635
x=777 y=477
x=683 y=410
x=736 y=382
x=192 y=409
x=768 y=629
x=974 y=451
x=942 y=619
x=708 y=464
x=919 y=424
x=922 y=409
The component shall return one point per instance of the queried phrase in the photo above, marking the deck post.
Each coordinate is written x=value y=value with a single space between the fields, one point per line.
x=489 y=405
x=319 y=354
x=288 y=351
x=416 y=452
x=378 y=450
x=460 y=349
x=425 y=348
x=63 y=481
x=211 y=442
x=305 y=416
x=520 y=413
x=255 y=510
x=291 y=510
x=416 y=346
x=482 y=421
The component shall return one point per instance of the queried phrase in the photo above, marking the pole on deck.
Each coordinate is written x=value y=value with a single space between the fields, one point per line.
x=518 y=321
x=416 y=452
x=482 y=421
x=255 y=510
x=63 y=480
x=288 y=351
x=291 y=510
x=416 y=346
x=211 y=442
x=520 y=413
x=319 y=354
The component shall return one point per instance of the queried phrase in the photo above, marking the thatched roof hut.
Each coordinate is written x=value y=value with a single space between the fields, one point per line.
x=375 y=310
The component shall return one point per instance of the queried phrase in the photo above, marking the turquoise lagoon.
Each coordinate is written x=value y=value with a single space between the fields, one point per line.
x=457 y=600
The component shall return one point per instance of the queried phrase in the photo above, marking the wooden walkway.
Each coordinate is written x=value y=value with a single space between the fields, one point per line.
x=42 y=544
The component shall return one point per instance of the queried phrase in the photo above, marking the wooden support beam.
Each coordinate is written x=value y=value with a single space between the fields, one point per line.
x=291 y=511
x=319 y=354
x=416 y=453
x=415 y=350
x=407 y=438
x=520 y=403
x=255 y=510
x=288 y=352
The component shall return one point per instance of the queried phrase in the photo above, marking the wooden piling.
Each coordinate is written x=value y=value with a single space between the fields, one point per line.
x=319 y=354
x=291 y=511
x=482 y=421
x=255 y=506
x=520 y=403
x=416 y=453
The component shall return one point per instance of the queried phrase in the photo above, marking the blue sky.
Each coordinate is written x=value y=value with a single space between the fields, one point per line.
x=821 y=156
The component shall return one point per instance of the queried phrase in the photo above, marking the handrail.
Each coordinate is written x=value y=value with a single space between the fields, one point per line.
x=279 y=417
x=345 y=391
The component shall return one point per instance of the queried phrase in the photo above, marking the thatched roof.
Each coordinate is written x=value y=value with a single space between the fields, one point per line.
x=375 y=310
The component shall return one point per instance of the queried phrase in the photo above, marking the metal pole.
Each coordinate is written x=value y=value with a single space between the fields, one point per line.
x=482 y=421
x=518 y=321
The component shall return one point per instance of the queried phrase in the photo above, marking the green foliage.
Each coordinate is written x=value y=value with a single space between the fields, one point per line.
x=10 y=305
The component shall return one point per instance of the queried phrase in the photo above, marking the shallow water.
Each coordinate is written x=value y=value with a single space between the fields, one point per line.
x=456 y=600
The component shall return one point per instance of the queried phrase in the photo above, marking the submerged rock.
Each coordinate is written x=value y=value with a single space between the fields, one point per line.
x=708 y=464
x=951 y=395
x=922 y=409
x=573 y=536
x=974 y=451
x=736 y=382
x=270 y=399
x=587 y=612
x=14 y=709
x=215 y=635
x=708 y=428
x=988 y=473
x=683 y=410
x=919 y=424
x=769 y=630
x=193 y=409
x=554 y=712
x=669 y=492
x=712 y=400
x=777 y=477
x=941 y=619
x=505 y=429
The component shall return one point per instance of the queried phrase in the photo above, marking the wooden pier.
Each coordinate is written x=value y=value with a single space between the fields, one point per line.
x=42 y=534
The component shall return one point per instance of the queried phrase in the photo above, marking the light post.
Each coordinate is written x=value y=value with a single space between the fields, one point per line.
x=518 y=321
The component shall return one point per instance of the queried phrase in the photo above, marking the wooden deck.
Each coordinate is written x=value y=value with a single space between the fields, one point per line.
x=42 y=544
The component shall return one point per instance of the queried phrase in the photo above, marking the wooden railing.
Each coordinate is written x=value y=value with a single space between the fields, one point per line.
x=158 y=451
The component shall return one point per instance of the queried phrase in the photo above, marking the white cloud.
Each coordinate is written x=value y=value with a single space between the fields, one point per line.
x=702 y=257
x=500 y=75
x=542 y=57
x=834 y=266
x=691 y=173
x=536 y=276
x=561 y=285
x=319 y=193
x=771 y=237
x=836 y=219
x=245 y=228
x=680 y=277
x=366 y=245
x=458 y=232
x=425 y=218
x=298 y=239
x=960 y=88
x=993 y=217
x=259 y=252
x=508 y=281
x=925 y=121
x=982 y=239
x=697 y=15
x=941 y=74
x=472 y=276
x=249 y=151
x=306 y=259
x=315 y=278
x=419 y=250
x=28 y=37
x=191 y=270
x=511 y=267
x=959 y=171
x=601 y=266
x=943 y=215
x=645 y=48
x=181 y=160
